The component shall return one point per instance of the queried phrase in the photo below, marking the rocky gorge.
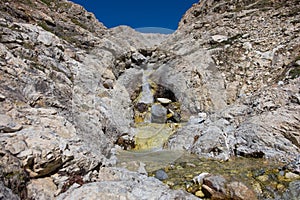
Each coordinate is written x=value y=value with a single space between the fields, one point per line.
x=208 y=112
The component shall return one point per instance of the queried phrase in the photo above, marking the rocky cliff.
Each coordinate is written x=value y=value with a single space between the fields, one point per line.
x=69 y=91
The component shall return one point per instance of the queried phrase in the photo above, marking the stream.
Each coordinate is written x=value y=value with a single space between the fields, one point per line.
x=153 y=126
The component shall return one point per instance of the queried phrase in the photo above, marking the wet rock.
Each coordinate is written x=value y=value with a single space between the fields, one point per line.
x=200 y=194
x=158 y=114
x=212 y=194
x=215 y=186
x=161 y=175
x=152 y=136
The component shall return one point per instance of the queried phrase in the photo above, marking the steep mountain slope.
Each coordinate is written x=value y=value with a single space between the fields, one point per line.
x=69 y=86
x=242 y=54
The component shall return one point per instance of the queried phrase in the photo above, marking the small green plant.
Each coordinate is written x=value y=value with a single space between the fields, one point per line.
x=294 y=72
x=45 y=26
x=78 y=23
x=47 y=2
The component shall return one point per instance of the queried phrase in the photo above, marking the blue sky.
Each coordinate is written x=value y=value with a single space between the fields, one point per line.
x=138 y=14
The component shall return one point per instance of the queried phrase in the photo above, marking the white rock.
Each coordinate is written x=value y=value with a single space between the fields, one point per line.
x=164 y=100
x=137 y=57
x=2 y=97
x=199 y=179
x=280 y=83
x=219 y=38
x=291 y=175
x=247 y=46
x=46 y=38
x=202 y=115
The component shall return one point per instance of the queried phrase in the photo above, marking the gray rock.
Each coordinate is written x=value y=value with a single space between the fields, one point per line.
x=212 y=143
x=238 y=190
x=138 y=58
x=196 y=120
x=73 y=108
x=217 y=183
x=293 y=191
x=43 y=188
x=8 y=125
x=6 y=193
x=158 y=114
x=161 y=175
x=121 y=184
x=219 y=38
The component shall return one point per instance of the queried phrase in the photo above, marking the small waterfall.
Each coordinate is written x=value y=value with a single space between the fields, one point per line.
x=147 y=96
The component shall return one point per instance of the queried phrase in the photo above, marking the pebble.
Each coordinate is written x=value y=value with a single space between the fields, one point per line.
x=280 y=187
x=263 y=178
x=280 y=83
x=200 y=194
x=161 y=174
x=164 y=100
x=291 y=175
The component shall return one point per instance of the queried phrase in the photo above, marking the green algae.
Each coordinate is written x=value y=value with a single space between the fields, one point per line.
x=152 y=135
x=261 y=175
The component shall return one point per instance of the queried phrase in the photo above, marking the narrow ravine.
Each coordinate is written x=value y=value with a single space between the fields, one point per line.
x=157 y=116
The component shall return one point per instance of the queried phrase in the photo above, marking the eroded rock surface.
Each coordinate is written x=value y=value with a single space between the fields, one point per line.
x=69 y=89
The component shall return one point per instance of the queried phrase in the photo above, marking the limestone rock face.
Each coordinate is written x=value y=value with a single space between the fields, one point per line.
x=122 y=184
x=6 y=193
x=69 y=85
x=244 y=75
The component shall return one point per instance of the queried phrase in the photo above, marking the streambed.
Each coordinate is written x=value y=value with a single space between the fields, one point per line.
x=267 y=179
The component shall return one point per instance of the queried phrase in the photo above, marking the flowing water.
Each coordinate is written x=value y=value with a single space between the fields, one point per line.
x=262 y=176
x=147 y=96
